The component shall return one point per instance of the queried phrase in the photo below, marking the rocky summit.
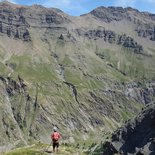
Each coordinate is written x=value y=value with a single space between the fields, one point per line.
x=83 y=74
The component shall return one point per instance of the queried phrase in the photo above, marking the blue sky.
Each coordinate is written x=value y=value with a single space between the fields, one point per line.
x=78 y=7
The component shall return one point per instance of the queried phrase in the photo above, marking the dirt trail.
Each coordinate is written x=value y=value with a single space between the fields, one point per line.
x=41 y=149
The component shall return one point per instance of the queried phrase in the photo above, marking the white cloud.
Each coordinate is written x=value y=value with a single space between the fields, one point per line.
x=150 y=1
x=66 y=5
x=59 y=3
x=133 y=3
x=125 y=3
x=142 y=5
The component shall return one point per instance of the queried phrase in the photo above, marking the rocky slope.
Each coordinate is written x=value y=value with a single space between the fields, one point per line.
x=80 y=74
x=137 y=137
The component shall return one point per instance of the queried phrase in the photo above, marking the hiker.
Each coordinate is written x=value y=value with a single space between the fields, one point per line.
x=55 y=136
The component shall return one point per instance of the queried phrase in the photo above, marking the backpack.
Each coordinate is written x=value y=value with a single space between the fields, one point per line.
x=55 y=136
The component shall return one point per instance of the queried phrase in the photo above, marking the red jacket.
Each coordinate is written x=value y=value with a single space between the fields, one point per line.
x=55 y=136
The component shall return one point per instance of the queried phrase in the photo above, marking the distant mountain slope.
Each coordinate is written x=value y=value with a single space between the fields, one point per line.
x=80 y=74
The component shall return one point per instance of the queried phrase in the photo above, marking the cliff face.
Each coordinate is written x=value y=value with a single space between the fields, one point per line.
x=80 y=74
x=16 y=20
x=112 y=14
x=136 y=137
x=112 y=38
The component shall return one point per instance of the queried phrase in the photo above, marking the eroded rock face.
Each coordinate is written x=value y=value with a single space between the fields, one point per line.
x=136 y=137
x=112 y=38
x=15 y=21
x=109 y=14
x=112 y=14
x=117 y=14
x=146 y=31
x=144 y=95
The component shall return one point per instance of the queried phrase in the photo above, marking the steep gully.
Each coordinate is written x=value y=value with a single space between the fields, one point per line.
x=60 y=71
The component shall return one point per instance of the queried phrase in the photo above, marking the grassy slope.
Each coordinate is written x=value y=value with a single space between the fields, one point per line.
x=39 y=149
x=39 y=68
x=85 y=70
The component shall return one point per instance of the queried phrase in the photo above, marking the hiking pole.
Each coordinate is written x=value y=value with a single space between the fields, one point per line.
x=46 y=149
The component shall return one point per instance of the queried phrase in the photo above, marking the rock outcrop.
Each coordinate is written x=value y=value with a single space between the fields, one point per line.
x=15 y=21
x=117 y=14
x=110 y=14
x=112 y=38
x=146 y=31
x=136 y=137
x=143 y=94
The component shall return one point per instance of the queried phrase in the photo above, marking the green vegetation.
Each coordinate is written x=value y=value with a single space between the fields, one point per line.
x=128 y=63
x=67 y=61
x=74 y=76
x=3 y=69
x=30 y=150
x=31 y=71
x=40 y=149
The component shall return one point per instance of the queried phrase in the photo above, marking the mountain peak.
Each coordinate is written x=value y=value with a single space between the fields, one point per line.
x=109 y=14
x=36 y=7
x=131 y=9
x=9 y=5
x=112 y=8
x=6 y=2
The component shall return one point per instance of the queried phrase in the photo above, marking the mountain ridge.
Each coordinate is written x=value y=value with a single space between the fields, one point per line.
x=100 y=7
x=81 y=74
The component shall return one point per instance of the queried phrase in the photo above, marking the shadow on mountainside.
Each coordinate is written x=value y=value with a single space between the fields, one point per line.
x=136 y=137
